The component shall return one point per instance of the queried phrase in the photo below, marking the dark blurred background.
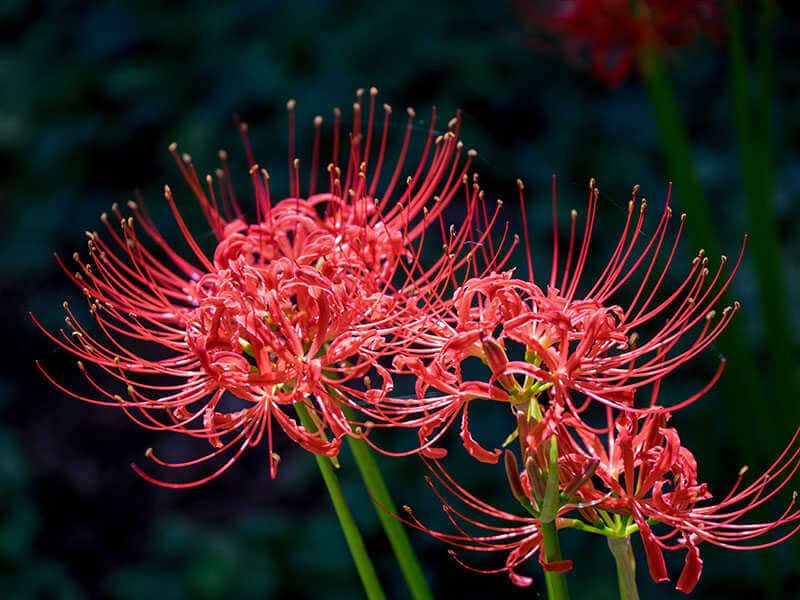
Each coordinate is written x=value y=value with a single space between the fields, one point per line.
x=90 y=97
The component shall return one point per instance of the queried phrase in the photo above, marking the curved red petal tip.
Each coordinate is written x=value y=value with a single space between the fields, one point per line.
x=434 y=453
x=556 y=566
x=520 y=580
x=655 y=557
x=692 y=568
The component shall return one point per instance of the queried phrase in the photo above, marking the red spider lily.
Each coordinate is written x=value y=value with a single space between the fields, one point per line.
x=483 y=528
x=647 y=477
x=577 y=347
x=637 y=477
x=615 y=32
x=285 y=309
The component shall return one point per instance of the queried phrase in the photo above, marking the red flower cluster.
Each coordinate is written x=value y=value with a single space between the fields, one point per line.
x=637 y=477
x=575 y=348
x=286 y=310
x=323 y=302
x=613 y=33
x=577 y=356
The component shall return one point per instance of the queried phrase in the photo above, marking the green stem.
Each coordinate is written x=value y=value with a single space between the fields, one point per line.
x=355 y=542
x=556 y=583
x=753 y=127
x=626 y=567
x=741 y=387
x=385 y=507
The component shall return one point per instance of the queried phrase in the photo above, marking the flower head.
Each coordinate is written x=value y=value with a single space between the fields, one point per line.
x=562 y=340
x=635 y=476
x=285 y=309
x=613 y=33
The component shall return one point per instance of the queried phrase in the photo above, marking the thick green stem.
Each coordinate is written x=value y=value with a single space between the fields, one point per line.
x=385 y=507
x=355 y=542
x=753 y=126
x=741 y=387
x=752 y=114
x=626 y=567
x=556 y=583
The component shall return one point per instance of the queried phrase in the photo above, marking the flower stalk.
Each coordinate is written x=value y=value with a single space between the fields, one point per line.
x=385 y=507
x=742 y=387
x=622 y=552
x=555 y=582
x=364 y=566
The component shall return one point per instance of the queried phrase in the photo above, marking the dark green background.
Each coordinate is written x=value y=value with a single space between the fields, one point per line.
x=90 y=97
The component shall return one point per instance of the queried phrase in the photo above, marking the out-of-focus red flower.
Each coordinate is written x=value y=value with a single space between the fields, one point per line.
x=286 y=309
x=612 y=34
x=558 y=340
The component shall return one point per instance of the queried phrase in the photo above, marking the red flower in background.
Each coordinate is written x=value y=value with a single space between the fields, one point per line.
x=222 y=346
x=614 y=33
